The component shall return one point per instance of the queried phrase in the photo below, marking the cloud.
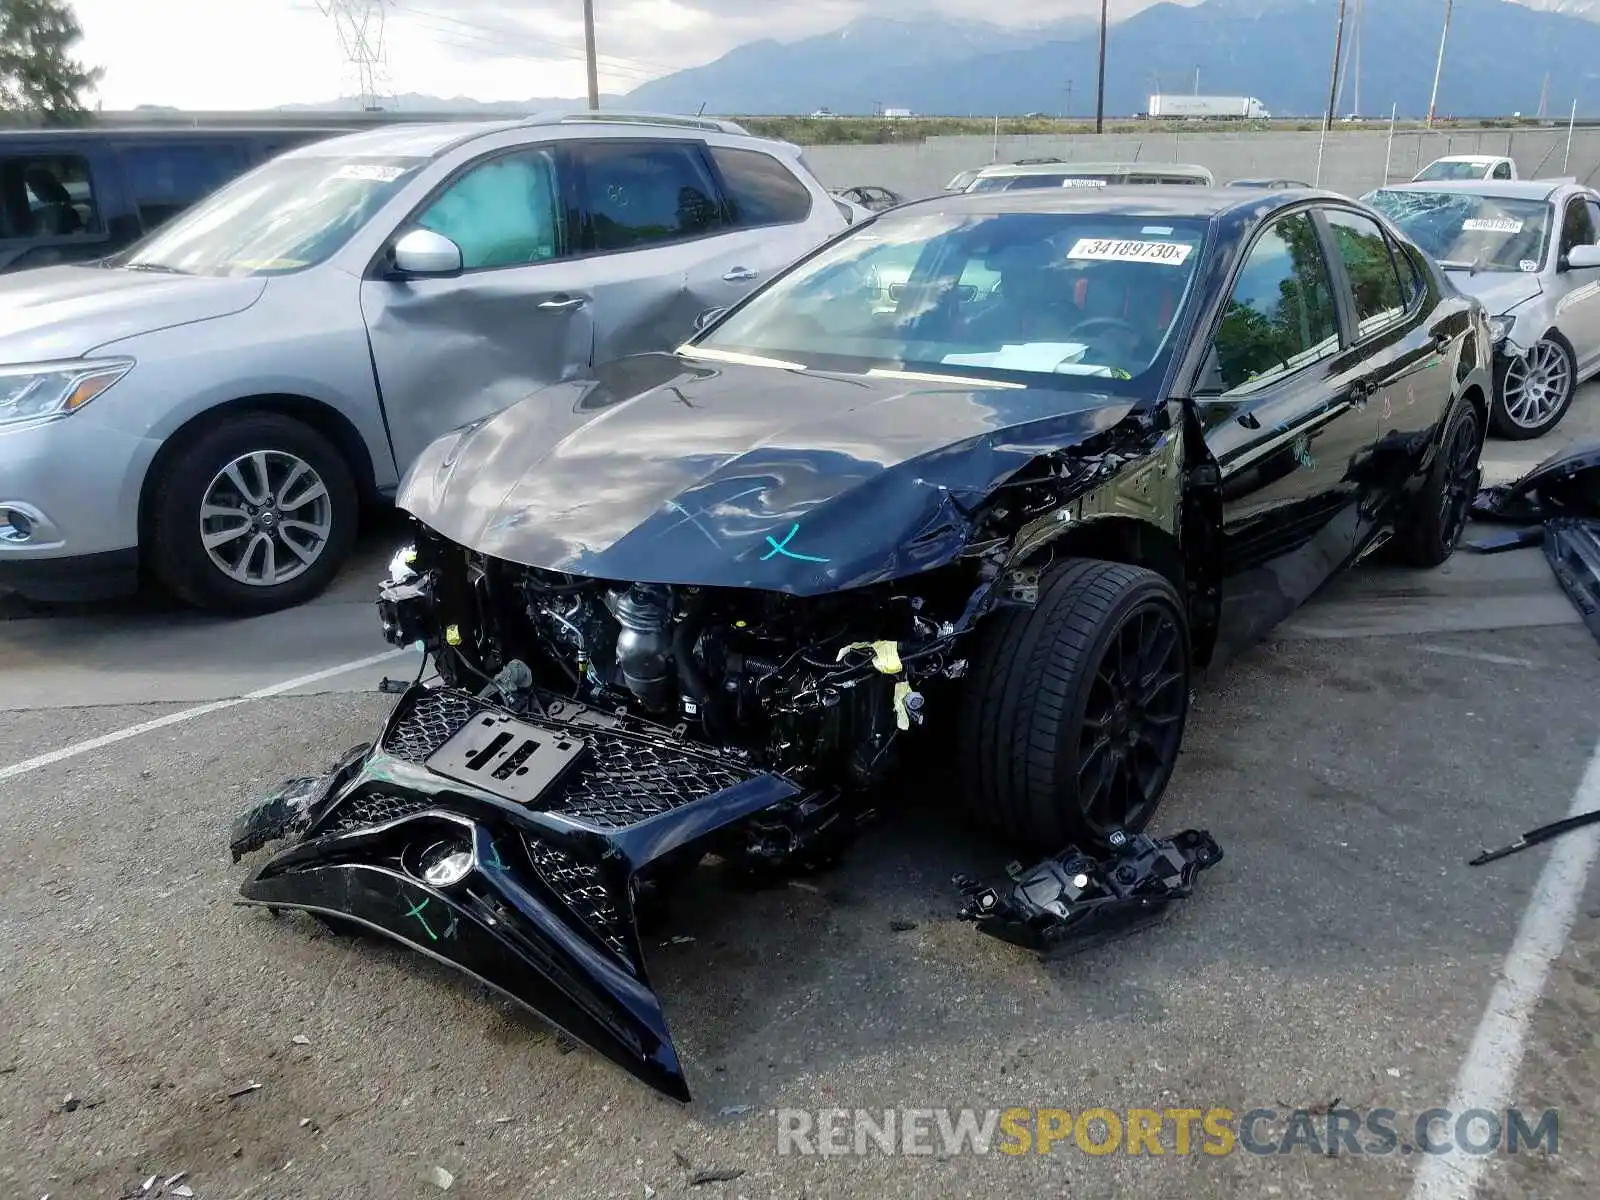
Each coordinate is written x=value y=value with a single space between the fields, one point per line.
x=261 y=53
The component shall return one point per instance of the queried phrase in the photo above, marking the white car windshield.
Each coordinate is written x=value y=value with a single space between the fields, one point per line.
x=1452 y=170
x=287 y=214
x=1037 y=299
x=1462 y=229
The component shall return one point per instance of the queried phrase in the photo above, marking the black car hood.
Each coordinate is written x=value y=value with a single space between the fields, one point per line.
x=669 y=470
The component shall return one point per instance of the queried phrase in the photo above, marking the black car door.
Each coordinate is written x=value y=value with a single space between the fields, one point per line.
x=1403 y=346
x=1283 y=407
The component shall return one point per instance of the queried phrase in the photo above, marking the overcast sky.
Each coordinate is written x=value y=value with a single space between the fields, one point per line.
x=260 y=53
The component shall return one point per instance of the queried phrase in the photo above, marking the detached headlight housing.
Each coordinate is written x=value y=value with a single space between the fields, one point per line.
x=1500 y=329
x=43 y=391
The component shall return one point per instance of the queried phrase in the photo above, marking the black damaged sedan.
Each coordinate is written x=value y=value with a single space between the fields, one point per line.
x=987 y=477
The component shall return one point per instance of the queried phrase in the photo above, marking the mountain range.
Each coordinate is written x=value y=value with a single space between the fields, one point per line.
x=1498 y=57
x=1279 y=51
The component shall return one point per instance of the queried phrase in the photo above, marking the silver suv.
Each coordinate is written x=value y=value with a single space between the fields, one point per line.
x=214 y=404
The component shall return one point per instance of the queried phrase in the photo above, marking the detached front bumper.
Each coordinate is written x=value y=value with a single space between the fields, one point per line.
x=510 y=847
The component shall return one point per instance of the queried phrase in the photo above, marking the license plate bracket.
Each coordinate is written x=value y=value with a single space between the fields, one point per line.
x=510 y=758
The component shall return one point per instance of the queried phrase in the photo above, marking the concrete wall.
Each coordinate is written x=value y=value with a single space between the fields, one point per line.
x=1353 y=161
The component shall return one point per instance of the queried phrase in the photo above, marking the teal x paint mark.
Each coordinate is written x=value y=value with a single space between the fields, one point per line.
x=782 y=548
x=416 y=911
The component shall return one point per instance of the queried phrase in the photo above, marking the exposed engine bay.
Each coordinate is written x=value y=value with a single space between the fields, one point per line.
x=587 y=742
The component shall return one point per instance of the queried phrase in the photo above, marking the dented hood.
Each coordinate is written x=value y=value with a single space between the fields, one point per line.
x=1500 y=291
x=671 y=470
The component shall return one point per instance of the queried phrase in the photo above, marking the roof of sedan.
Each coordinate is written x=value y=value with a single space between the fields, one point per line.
x=1501 y=189
x=1152 y=200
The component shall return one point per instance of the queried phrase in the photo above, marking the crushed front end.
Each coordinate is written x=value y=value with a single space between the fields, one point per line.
x=512 y=847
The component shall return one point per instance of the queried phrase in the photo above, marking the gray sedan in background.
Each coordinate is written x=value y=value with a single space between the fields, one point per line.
x=1528 y=250
x=211 y=407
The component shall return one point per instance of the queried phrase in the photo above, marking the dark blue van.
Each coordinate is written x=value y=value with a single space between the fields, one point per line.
x=70 y=195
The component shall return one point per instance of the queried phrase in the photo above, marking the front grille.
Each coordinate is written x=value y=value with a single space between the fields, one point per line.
x=581 y=889
x=373 y=808
x=432 y=721
x=622 y=780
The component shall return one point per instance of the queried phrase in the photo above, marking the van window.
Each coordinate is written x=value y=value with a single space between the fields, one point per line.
x=166 y=179
x=44 y=196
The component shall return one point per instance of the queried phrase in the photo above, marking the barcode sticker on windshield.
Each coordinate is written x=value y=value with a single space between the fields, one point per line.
x=1491 y=225
x=1081 y=181
x=1166 y=254
x=371 y=172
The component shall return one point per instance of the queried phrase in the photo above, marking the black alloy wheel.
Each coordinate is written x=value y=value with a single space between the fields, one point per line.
x=1132 y=721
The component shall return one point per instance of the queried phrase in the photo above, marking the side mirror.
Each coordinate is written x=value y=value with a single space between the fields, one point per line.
x=1580 y=257
x=424 y=252
x=712 y=314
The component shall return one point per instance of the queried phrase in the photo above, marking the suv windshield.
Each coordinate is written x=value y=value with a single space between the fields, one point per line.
x=287 y=214
x=1460 y=229
x=1040 y=299
x=1436 y=171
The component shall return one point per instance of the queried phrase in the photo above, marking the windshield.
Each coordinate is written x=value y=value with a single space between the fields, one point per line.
x=287 y=214
x=1036 y=299
x=1007 y=183
x=1452 y=170
x=1494 y=233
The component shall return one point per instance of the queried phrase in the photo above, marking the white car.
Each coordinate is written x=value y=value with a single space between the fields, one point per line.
x=1467 y=166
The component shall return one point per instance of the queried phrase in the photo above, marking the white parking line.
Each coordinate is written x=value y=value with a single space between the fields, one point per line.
x=188 y=714
x=1489 y=1073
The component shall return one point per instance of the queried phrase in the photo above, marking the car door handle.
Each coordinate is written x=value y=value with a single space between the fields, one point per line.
x=740 y=275
x=562 y=303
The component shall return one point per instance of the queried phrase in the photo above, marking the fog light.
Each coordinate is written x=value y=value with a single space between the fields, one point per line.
x=15 y=526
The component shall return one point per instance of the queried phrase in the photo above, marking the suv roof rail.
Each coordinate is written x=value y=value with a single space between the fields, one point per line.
x=577 y=116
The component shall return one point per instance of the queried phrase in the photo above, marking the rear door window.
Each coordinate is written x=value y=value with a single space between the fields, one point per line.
x=48 y=196
x=163 y=180
x=640 y=194
x=1374 y=284
x=762 y=191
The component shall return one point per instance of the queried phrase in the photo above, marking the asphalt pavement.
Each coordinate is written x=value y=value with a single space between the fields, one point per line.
x=1341 y=957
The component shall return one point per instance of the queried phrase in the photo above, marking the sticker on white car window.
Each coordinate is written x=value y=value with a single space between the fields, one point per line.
x=1077 y=181
x=371 y=172
x=1166 y=254
x=1491 y=225
x=1528 y=265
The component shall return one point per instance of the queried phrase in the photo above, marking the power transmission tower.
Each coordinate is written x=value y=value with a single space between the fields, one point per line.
x=360 y=27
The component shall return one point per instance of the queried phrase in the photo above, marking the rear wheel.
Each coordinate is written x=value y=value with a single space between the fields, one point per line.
x=254 y=515
x=1533 y=391
x=1074 y=709
x=1430 y=532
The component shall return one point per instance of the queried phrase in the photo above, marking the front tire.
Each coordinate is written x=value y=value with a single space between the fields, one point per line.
x=1074 y=710
x=1532 y=392
x=254 y=515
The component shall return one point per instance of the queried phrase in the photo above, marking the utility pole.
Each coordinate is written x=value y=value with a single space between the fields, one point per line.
x=1197 y=79
x=1438 y=67
x=1333 y=75
x=588 y=52
x=1067 y=111
x=1544 y=95
x=1100 y=87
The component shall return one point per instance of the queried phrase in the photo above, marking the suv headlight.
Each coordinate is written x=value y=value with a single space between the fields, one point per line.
x=1500 y=329
x=39 y=391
